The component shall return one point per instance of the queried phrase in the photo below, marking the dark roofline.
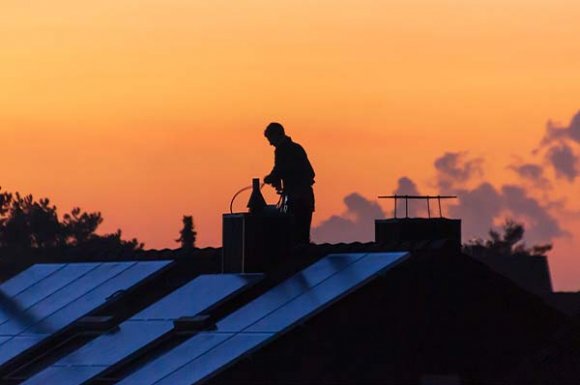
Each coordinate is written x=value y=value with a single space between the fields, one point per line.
x=14 y=261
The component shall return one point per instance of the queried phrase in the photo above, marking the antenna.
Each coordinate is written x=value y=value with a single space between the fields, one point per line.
x=417 y=197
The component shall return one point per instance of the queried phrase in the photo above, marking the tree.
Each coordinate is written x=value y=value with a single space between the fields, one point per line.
x=80 y=227
x=26 y=223
x=510 y=242
x=187 y=234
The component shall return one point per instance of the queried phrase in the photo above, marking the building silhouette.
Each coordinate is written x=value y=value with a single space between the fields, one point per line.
x=409 y=308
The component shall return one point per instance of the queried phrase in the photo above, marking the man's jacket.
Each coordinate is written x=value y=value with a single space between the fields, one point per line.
x=292 y=169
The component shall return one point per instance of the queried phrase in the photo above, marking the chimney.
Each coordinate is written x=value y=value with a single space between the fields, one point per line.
x=256 y=240
x=413 y=231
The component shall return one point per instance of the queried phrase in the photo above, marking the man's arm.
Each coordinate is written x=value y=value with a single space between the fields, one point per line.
x=275 y=178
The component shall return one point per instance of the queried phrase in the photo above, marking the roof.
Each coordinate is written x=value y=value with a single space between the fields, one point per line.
x=392 y=313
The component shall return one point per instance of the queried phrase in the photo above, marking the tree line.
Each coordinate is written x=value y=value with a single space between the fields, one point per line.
x=29 y=223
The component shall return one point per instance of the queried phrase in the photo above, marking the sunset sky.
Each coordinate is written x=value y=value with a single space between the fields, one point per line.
x=153 y=109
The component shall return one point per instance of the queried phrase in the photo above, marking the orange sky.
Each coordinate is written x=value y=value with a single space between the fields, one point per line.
x=148 y=110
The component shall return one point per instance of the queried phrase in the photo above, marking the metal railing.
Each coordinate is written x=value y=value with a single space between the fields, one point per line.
x=427 y=198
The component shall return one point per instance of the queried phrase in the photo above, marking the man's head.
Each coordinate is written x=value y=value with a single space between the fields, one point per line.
x=275 y=133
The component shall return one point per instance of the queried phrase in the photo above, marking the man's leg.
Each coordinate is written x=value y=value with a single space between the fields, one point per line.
x=302 y=212
x=302 y=221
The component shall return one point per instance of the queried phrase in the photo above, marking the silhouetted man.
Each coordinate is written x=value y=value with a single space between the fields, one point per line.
x=293 y=175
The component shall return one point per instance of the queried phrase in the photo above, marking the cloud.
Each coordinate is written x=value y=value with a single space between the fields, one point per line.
x=355 y=224
x=405 y=186
x=558 y=134
x=477 y=208
x=574 y=128
x=533 y=173
x=541 y=226
x=564 y=161
x=454 y=169
x=560 y=154
x=485 y=205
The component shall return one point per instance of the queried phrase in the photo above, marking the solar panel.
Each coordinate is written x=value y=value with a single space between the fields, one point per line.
x=69 y=292
x=324 y=293
x=262 y=320
x=27 y=278
x=74 y=289
x=13 y=345
x=194 y=298
x=286 y=291
x=28 y=293
x=73 y=374
x=207 y=363
x=176 y=358
x=109 y=348
x=118 y=279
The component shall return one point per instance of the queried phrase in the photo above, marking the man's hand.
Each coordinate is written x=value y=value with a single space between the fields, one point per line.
x=274 y=181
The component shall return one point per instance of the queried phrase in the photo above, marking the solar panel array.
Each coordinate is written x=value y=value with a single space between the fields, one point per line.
x=195 y=297
x=46 y=298
x=262 y=320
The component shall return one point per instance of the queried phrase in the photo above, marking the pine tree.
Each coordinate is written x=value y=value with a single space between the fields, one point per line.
x=187 y=234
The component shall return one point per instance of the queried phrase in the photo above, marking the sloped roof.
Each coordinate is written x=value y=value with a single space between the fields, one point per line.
x=434 y=314
x=438 y=313
x=557 y=363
